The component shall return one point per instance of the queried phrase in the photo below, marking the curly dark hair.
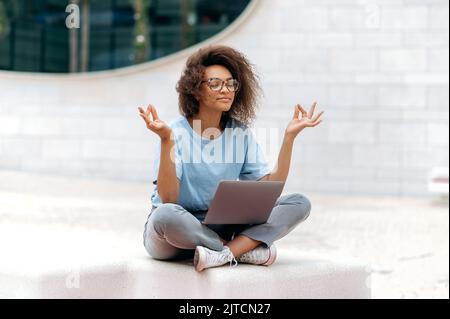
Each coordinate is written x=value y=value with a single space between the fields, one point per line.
x=246 y=98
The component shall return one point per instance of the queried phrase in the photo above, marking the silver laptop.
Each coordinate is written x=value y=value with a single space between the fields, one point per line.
x=243 y=202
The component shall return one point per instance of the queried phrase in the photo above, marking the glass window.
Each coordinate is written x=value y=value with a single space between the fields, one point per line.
x=93 y=35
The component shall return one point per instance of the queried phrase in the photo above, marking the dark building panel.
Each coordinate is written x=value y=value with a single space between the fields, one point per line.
x=34 y=36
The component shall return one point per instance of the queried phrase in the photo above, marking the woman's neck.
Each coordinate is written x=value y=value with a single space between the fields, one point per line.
x=207 y=121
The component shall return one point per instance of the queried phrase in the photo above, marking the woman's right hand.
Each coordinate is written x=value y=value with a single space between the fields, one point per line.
x=156 y=125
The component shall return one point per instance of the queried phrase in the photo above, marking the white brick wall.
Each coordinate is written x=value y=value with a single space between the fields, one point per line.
x=403 y=60
x=353 y=60
x=403 y=97
x=379 y=68
x=9 y=125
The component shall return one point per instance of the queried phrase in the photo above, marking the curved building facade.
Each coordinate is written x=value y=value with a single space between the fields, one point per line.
x=59 y=36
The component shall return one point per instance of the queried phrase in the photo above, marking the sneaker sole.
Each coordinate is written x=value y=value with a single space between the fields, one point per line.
x=198 y=256
x=273 y=256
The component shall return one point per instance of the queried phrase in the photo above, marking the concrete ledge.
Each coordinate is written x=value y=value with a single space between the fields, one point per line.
x=58 y=262
x=294 y=275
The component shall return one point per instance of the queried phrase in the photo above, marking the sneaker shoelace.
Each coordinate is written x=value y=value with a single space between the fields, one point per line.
x=231 y=259
x=217 y=258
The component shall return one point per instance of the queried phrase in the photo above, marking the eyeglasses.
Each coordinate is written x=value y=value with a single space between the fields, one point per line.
x=216 y=84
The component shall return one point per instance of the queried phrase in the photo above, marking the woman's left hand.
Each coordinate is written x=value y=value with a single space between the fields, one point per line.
x=307 y=120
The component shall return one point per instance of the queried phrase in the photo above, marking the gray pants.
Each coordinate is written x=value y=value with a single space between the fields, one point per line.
x=171 y=232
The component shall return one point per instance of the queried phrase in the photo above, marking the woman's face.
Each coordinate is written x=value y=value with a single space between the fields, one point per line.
x=220 y=100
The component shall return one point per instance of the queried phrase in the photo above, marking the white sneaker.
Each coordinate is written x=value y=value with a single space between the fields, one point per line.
x=260 y=256
x=207 y=258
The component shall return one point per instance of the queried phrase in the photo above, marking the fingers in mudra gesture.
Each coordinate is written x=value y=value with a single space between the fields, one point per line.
x=307 y=119
x=156 y=125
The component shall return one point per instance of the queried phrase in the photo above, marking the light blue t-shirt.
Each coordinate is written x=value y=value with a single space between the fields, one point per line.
x=202 y=163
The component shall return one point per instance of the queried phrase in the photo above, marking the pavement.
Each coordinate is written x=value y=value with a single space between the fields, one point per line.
x=405 y=240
